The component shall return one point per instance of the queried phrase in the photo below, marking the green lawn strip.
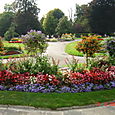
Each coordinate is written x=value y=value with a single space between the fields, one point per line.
x=55 y=100
x=77 y=38
x=6 y=44
x=70 y=49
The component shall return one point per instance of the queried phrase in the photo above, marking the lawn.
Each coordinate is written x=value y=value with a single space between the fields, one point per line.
x=70 y=49
x=55 y=100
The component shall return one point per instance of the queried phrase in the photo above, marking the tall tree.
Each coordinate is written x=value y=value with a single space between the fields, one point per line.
x=102 y=16
x=27 y=16
x=51 y=21
x=6 y=19
x=10 y=7
x=64 y=26
x=81 y=23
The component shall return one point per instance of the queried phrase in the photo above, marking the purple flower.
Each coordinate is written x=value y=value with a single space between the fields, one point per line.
x=2 y=87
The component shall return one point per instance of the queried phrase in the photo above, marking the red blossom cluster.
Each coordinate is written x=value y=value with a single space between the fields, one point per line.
x=8 y=78
x=15 y=41
x=95 y=76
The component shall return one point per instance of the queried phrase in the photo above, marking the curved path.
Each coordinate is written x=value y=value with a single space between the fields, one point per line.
x=57 y=51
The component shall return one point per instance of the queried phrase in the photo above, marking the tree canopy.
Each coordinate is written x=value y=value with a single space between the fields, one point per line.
x=51 y=20
x=6 y=19
x=27 y=16
x=64 y=26
x=102 y=16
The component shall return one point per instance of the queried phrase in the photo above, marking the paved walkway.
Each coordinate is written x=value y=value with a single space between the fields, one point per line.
x=22 y=110
x=57 y=51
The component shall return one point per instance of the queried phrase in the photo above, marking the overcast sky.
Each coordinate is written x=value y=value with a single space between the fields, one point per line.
x=47 y=5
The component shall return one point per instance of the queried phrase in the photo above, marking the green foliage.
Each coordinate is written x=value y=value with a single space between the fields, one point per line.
x=81 y=19
x=73 y=65
x=51 y=21
x=27 y=16
x=25 y=22
x=101 y=18
x=10 y=7
x=49 y=24
x=27 y=6
x=1 y=66
x=67 y=37
x=10 y=33
x=89 y=46
x=34 y=42
x=6 y=19
x=34 y=66
x=1 y=47
x=102 y=62
x=64 y=26
x=111 y=46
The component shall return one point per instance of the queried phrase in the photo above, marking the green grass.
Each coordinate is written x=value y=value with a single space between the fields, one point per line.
x=77 y=38
x=55 y=100
x=17 y=45
x=70 y=49
x=12 y=44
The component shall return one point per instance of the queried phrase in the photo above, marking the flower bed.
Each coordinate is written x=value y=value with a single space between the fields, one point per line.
x=84 y=81
x=15 y=42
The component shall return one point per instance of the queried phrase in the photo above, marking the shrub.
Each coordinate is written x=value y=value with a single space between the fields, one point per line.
x=89 y=46
x=34 y=42
x=52 y=40
x=102 y=62
x=1 y=47
x=111 y=47
x=34 y=66
x=67 y=37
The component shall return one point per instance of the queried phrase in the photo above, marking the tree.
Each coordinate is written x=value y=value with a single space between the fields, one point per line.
x=6 y=19
x=25 y=22
x=51 y=21
x=10 y=33
x=102 y=18
x=10 y=7
x=64 y=26
x=41 y=24
x=49 y=25
x=81 y=23
x=27 y=16
x=27 y=6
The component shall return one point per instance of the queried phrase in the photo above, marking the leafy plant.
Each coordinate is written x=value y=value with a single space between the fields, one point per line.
x=89 y=46
x=1 y=47
x=74 y=65
x=111 y=46
x=67 y=37
x=34 y=65
x=34 y=42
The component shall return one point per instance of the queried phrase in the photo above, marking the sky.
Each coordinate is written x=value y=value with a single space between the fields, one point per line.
x=47 y=5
